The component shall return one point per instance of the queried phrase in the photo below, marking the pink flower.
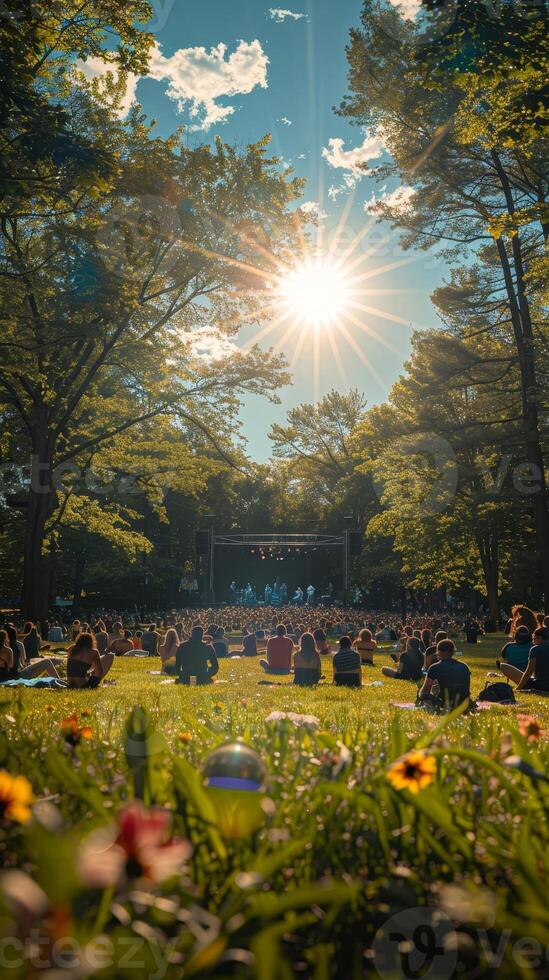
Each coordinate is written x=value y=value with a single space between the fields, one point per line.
x=139 y=845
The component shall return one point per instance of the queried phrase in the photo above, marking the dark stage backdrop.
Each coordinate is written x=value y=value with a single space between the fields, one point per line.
x=317 y=567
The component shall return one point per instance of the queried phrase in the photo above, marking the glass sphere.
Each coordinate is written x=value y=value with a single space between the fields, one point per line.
x=234 y=766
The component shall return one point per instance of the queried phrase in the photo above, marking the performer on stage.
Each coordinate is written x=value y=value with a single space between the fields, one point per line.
x=297 y=597
x=268 y=594
x=310 y=595
x=283 y=594
x=233 y=590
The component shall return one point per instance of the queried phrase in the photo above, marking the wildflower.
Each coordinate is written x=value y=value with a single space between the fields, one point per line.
x=16 y=797
x=300 y=721
x=218 y=707
x=529 y=728
x=71 y=730
x=138 y=845
x=413 y=771
x=185 y=738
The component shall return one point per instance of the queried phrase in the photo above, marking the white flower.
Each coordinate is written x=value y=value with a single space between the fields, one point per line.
x=300 y=721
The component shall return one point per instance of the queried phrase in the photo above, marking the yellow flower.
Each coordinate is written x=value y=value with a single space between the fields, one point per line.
x=413 y=771
x=15 y=797
x=218 y=706
x=185 y=737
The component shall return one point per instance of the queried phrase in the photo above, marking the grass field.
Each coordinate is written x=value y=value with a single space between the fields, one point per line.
x=306 y=879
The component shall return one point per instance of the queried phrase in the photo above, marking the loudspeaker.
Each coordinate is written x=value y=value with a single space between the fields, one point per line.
x=202 y=543
x=356 y=542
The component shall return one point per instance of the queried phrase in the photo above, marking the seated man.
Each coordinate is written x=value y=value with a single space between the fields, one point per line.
x=279 y=653
x=196 y=659
x=347 y=667
x=536 y=675
x=448 y=681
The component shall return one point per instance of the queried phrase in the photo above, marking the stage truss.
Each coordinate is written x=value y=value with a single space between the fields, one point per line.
x=306 y=541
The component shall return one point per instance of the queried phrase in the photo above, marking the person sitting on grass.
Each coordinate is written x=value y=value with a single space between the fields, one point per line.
x=307 y=665
x=13 y=662
x=167 y=651
x=150 y=641
x=536 y=675
x=249 y=643
x=86 y=667
x=431 y=656
x=365 y=646
x=516 y=651
x=448 y=681
x=121 y=645
x=279 y=653
x=321 y=641
x=196 y=659
x=221 y=644
x=409 y=663
x=347 y=668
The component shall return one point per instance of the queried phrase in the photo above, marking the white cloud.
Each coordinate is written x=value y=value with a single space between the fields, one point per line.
x=313 y=210
x=285 y=121
x=408 y=9
x=279 y=14
x=400 y=199
x=354 y=160
x=209 y=344
x=197 y=78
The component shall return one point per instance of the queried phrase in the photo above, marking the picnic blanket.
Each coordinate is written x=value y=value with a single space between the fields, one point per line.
x=53 y=683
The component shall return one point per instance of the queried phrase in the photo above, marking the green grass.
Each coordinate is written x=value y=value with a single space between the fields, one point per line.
x=338 y=851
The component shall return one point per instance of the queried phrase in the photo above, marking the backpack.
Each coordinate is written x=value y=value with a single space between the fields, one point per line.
x=500 y=693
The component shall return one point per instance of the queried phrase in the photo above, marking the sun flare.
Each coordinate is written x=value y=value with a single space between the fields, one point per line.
x=316 y=291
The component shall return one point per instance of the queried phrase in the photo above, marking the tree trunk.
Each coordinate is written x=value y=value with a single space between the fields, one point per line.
x=516 y=288
x=42 y=503
x=488 y=547
x=78 y=583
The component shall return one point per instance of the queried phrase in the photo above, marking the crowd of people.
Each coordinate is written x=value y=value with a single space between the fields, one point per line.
x=287 y=642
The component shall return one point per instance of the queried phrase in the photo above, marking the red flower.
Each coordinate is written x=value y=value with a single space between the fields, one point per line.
x=139 y=845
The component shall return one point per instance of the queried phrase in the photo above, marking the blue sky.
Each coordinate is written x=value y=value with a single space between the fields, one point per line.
x=293 y=97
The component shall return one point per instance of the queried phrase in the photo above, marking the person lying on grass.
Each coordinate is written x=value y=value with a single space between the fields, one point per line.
x=347 y=667
x=448 y=681
x=409 y=663
x=536 y=675
x=196 y=659
x=13 y=663
x=86 y=667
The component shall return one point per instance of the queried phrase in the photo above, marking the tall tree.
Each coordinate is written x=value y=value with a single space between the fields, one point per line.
x=457 y=131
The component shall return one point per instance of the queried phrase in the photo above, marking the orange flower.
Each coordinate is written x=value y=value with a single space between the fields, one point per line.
x=413 y=771
x=15 y=798
x=72 y=731
x=185 y=737
x=530 y=728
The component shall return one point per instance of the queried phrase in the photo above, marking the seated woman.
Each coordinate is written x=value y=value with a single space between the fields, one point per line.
x=431 y=655
x=347 y=668
x=536 y=675
x=121 y=645
x=516 y=651
x=307 y=662
x=167 y=651
x=221 y=645
x=13 y=664
x=321 y=642
x=85 y=667
x=365 y=646
x=410 y=662
x=20 y=667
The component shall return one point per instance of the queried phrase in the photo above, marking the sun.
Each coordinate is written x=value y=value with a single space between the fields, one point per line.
x=316 y=292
